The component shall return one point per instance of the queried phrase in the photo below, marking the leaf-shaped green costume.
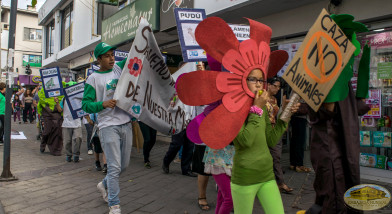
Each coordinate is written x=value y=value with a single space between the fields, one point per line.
x=340 y=89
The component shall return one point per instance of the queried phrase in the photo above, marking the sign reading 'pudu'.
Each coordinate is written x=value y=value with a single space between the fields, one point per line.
x=319 y=61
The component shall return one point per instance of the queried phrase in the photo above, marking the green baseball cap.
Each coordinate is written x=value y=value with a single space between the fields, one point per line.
x=102 y=48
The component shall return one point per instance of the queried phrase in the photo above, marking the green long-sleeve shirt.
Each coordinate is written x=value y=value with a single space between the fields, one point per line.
x=252 y=162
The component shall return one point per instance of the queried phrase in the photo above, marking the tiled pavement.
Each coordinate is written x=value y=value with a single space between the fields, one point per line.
x=48 y=184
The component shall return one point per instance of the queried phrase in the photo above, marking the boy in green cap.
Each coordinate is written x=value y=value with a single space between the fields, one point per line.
x=115 y=132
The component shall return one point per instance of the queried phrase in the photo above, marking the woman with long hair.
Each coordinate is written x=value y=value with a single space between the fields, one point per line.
x=27 y=102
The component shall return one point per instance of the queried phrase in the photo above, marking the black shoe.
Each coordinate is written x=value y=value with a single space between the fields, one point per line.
x=98 y=166
x=105 y=168
x=190 y=174
x=165 y=169
x=68 y=158
x=76 y=159
x=147 y=165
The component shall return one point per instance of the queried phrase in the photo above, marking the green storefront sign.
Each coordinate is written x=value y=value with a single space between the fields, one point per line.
x=32 y=60
x=384 y=70
x=122 y=26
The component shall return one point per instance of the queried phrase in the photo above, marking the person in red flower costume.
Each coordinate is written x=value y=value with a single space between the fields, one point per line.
x=239 y=116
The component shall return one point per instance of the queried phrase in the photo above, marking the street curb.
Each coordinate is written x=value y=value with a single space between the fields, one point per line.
x=1 y=208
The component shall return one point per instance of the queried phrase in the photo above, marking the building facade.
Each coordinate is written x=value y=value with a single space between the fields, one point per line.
x=28 y=44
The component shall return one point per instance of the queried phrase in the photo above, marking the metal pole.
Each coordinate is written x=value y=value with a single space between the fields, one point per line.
x=7 y=175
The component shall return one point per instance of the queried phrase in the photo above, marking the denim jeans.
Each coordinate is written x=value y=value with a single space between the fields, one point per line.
x=116 y=142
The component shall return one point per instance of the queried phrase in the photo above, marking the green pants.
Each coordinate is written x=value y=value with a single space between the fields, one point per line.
x=267 y=193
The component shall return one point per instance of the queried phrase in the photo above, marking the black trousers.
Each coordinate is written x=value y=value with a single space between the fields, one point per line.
x=28 y=109
x=2 y=128
x=297 y=142
x=150 y=137
x=89 y=130
x=179 y=140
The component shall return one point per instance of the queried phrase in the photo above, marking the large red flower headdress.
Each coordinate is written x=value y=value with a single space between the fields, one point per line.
x=222 y=124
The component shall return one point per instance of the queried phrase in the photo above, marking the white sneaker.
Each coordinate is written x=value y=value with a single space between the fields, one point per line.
x=103 y=191
x=115 y=209
x=90 y=152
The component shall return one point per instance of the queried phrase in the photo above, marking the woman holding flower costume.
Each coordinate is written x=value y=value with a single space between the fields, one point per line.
x=239 y=118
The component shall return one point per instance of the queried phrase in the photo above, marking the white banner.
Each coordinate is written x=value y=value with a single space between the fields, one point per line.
x=146 y=87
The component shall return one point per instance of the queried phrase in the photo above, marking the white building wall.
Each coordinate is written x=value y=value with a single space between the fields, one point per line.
x=24 y=46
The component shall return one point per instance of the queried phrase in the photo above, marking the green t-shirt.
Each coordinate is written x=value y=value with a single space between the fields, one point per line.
x=252 y=162
x=2 y=104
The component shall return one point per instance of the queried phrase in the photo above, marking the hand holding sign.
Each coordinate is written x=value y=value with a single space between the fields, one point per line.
x=109 y=103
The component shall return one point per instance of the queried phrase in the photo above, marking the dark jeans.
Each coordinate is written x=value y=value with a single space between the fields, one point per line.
x=276 y=153
x=2 y=128
x=28 y=110
x=179 y=140
x=297 y=142
x=89 y=130
x=150 y=137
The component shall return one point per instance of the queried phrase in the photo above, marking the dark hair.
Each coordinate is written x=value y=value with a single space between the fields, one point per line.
x=274 y=79
x=2 y=85
x=25 y=93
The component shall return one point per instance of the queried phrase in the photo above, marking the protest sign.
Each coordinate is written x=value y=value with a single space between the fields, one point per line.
x=120 y=55
x=187 y=21
x=319 y=61
x=146 y=87
x=51 y=80
x=74 y=95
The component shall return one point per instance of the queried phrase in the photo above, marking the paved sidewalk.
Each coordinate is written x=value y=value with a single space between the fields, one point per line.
x=48 y=184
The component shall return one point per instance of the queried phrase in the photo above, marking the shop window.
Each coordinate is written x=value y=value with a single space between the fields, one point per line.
x=49 y=39
x=66 y=26
x=376 y=132
x=32 y=34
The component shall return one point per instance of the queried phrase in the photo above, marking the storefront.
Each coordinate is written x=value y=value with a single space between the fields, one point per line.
x=376 y=132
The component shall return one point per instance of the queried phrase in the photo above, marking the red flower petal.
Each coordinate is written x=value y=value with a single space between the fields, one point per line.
x=233 y=62
x=226 y=82
x=277 y=59
x=215 y=37
x=249 y=52
x=264 y=53
x=198 y=88
x=234 y=100
x=221 y=126
x=259 y=32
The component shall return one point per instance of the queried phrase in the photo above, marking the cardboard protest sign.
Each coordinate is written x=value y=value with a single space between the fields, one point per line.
x=146 y=87
x=319 y=61
x=187 y=21
x=73 y=96
x=52 y=83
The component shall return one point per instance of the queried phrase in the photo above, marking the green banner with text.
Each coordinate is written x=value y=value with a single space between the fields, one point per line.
x=121 y=27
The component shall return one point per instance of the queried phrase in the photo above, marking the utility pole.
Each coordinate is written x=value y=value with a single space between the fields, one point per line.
x=7 y=175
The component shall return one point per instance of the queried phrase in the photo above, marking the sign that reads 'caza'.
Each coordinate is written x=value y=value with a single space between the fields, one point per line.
x=122 y=26
x=146 y=86
x=319 y=61
x=367 y=197
x=51 y=80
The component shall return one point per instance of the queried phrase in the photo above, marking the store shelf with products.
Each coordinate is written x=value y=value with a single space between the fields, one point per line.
x=376 y=131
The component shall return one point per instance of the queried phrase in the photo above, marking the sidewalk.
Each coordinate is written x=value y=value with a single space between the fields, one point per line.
x=48 y=184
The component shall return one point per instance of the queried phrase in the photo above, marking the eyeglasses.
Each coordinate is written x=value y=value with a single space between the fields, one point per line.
x=254 y=80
